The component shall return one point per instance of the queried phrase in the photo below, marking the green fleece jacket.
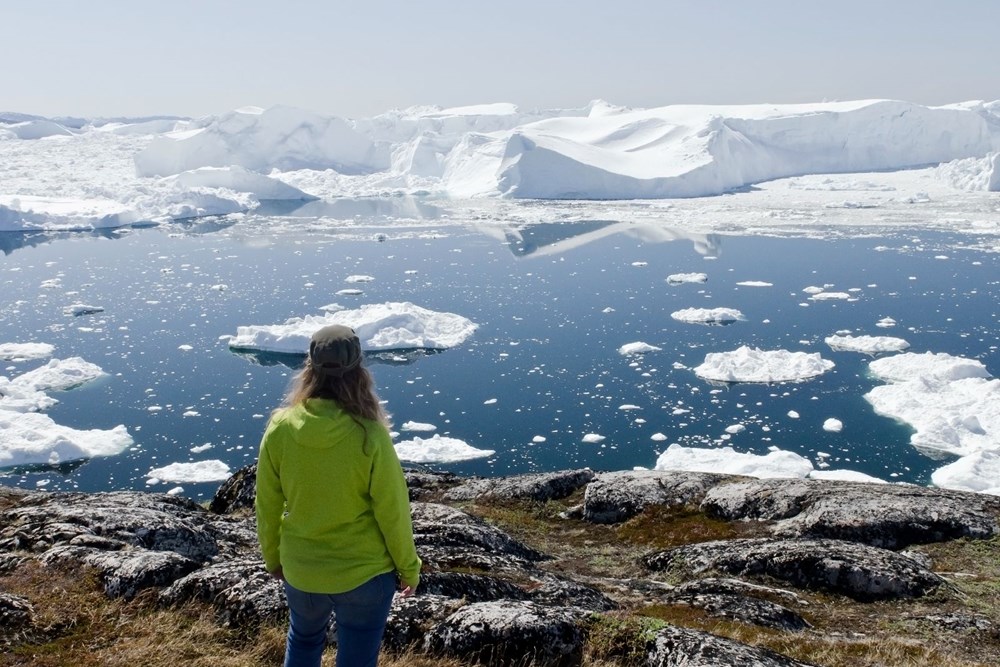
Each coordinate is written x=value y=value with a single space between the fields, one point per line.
x=332 y=511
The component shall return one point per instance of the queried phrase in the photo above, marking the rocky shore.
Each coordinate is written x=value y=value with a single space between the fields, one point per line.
x=577 y=567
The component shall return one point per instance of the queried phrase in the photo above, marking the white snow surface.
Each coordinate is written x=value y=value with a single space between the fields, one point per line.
x=59 y=375
x=978 y=472
x=680 y=278
x=212 y=470
x=638 y=347
x=727 y=461
x=951 y=402
x=438 y=449
x=25 y=351
x=34 y=438
x=229 y=162
x=708 y=315
x=747 y=364
x=866 y=344
x=385 y=326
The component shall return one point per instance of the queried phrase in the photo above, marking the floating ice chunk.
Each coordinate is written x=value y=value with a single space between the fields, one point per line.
x=708 y=315
x=637 y=348
x=490 y=401
x=350 y=291
x=867 y=344
x=194 y=472
x=845 y=476
x=658 y=437
x=593 y=438
x=538 y=439
x=198 y=449
x=629 y=406
x=792 y=414
x=25 y=351
x=417 y=426
x=176 y=491
x=755 y=283
x=813 y=290
x=18 y=398
x=949 y=401
x=680 y=278
x=78 y=309
x=34 y=438
x=979 y=471
x=725 y=460
x=833 y=425
x=359 y=279
x=886 y=322
x=733 y=429
x=830 y=296
x=386 y=326
x=60 y=374
x=747 y=364
x=438 y=449
x=185 y=347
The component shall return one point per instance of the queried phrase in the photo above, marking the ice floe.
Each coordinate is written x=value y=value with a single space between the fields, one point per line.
x=680 y=278
x=978 y=472
x=747 y=364
x=193 y=472
x=25 y=351
x=637 y=347
x=866 y=344
x=438 y=449
x=708 y=315
x=727 y=461
x=60 y=375
x=34 y=438
x=384 y=326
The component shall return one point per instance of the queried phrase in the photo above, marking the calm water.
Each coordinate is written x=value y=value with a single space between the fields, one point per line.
x=552 y=313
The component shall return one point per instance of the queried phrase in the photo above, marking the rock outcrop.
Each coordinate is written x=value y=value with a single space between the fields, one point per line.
x=488 y=597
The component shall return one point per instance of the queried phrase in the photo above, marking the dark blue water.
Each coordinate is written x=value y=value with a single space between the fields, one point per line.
x=544 y=361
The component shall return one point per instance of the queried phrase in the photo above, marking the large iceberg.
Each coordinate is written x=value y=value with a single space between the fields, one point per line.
x=746 y=364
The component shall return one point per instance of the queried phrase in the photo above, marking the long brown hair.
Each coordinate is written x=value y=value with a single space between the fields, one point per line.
x=354 y=392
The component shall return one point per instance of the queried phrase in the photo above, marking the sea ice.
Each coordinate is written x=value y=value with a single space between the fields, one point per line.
x=978 y=472
x=60 y=374
x=194 y=472
x=845 y=476
x=949 y=401
x=592 y=438
x=708 y=315
x=727 y=461
x=679 y=278
x=833 y=425
x=867 y=344
x=638 y=347
x=747 y=364
x=417 y=426
x=34 y=438
x=25 y=351
x=386 y=326
x=438 y=449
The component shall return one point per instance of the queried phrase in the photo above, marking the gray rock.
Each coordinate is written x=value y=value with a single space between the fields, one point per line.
x=411 y=617
x=681 y=647
x=16 y=615
x=884 y=515
x=616 y=496
x=508 y=633
x=540 y=486
x=124 y=573
x=242 y=592
x=236 y=493
x=745 y=609
x=728 y=586
x=151 y=521
x=423 y=484
x=560 y=591
x=449 y=538
x=469 y=587
x=859 y=571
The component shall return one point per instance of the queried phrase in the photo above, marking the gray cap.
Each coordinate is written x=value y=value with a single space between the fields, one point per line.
x=334 y=350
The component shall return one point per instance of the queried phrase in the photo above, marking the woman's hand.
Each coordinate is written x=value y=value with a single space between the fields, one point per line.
x=405 y=589
x=277 y=573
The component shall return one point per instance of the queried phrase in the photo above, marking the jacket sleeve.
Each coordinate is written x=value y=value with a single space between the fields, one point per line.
x=391 y=505
x=269 y=503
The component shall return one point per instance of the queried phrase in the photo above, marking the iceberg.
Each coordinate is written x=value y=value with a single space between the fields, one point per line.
x=727 y=461
x=193 y=472
x=866 y=344
x=747 y=364
x=708 y=315
x=32 y=438
x=25 y=351
x=385 y=326
x=438 y=449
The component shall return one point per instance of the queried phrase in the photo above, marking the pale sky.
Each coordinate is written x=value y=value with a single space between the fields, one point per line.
x=360 y=58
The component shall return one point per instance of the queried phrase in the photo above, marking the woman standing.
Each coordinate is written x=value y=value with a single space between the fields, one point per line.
x=333 y=514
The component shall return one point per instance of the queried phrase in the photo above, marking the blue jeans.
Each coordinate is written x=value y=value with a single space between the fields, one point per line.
x=361 y=615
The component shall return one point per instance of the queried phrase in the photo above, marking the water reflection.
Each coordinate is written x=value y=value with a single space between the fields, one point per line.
x=11 y=241
x=555 y=238
x=350 y=208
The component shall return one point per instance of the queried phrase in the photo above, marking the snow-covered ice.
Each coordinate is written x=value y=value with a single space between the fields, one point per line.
x=867 y=344
x=680 y=278
x=833 y=425
x=60 y=375
x=384 y=326
x=194 y=472
x=25 y=351
x=747 y=364
x=438 y=449
x=951 y=402
x=637 y=347
x=708 y=315
x=34 y=438
x=417 y=426
x=978 y=472
x=727 y=461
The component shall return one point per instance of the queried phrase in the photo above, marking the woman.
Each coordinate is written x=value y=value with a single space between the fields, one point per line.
x=333 y=514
